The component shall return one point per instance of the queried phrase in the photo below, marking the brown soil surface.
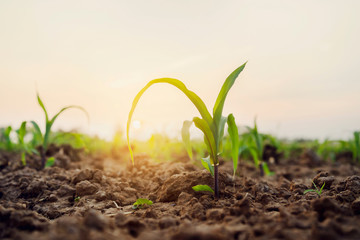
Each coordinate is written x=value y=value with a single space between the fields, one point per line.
x=83 y=197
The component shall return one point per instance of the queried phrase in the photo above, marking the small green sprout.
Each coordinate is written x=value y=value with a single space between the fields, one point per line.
x=141 y=202
x=48 y=124
x=77 y=199
x=316 y=189
x=205 y=188
x=254 y=144
x=211 y=125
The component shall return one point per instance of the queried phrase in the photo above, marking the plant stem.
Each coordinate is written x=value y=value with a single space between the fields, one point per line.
x=216 y=178
x=261 y=167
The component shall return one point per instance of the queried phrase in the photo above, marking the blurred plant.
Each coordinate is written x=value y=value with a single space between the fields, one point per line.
x=46 y=137
x=6 y=142
x=317 y=190
x=355 y=146
x=141 y=202
x=254 y=144
x=212 y=127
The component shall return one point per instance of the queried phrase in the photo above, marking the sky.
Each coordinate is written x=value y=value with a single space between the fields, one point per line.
x=301 y=80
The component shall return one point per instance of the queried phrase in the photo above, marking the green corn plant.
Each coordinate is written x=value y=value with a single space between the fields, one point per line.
x=254 y=144
x=46 y=136
x=21 y=132
x=211 y=126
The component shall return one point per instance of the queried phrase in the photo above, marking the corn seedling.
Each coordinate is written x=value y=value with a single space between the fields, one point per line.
x=317 y=190
x=21 y=132
x=254 y=143
x=141 y=202
x=7 y=144
x=211 y=126
x=46 y=136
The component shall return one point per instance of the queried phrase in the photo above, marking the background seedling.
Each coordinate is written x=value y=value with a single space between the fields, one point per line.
x=141 y=202
x=317 y=190
x=211 y=126
x=48 y=124
x=254 y=144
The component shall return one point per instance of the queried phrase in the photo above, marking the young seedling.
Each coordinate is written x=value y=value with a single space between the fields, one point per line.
x=212 y=126
x=255 y=145
x=46 y=137
x=6 y=139
x=315 y=190
x=141 y=202
x=21 y=132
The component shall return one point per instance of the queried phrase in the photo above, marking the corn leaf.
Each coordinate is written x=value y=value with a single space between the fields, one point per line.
x=219 y=104
x=22 y=132
x=267 y=170
x=221 y=134
x=195 y=99
x=51 y=122
x=208 y=136
x=185 y=134
x=207 y=165
x=199 y=188
x=254 y=154
x=37 y=129
x=50 y=162
x=234 y=136
x=43 y=107
x=258 y=140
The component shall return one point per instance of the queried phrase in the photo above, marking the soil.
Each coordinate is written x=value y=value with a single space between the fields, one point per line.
x=87 y=197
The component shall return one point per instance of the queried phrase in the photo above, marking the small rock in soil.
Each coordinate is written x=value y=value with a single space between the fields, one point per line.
x=355 y=206
x=215 y=214
x=65 y=190
x=166 y=222
x=85 y=188
x=95 y=220
x=83 y=175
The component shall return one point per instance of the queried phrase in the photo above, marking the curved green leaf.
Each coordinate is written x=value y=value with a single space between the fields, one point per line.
x=49 y=162
x=206 y=162
x=51 y=122
x=221 y=134
x=234 y=136
x=185 y=134
x=195 y=99
x=42 y=106
x=37 y=128
x=208 y=136
x=219 y=104
x=199 y=188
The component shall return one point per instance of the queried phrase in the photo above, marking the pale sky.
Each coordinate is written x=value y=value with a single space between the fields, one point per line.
x=302 y=78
